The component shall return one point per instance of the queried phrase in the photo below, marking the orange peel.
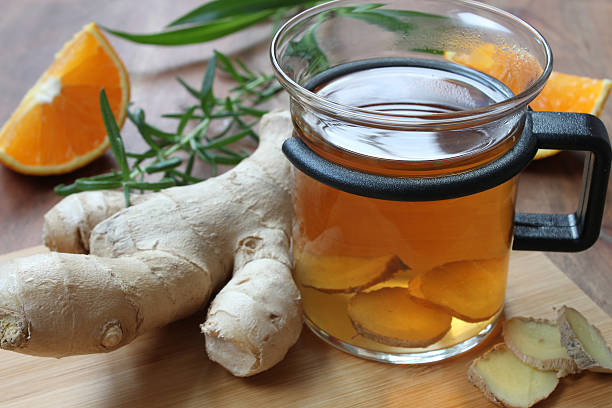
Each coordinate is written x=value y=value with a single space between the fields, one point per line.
x=58 y=127
x=562 y=92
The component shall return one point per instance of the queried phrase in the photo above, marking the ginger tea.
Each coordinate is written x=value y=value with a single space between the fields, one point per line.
x=401 y=277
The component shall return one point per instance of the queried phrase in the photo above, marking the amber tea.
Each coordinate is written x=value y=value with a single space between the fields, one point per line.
x=399 y=276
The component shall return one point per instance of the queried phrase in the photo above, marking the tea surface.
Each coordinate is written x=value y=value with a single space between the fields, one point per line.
x=411 y=91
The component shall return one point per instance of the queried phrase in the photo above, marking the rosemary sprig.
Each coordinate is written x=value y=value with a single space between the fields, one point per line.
x=167 y=150
x=170 y=157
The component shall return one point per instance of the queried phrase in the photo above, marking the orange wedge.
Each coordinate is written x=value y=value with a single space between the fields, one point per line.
x=58 y=126
x=562 y=93
x=570 y=93
x=510 y=68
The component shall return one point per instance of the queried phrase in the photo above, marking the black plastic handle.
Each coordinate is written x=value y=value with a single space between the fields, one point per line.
x=577 y=231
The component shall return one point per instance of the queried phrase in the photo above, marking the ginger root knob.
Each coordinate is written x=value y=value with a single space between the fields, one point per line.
x=12 y=334
x=112 y=335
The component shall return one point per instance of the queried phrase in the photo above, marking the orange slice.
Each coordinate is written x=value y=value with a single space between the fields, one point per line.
x=58 y=126
x=570 y=93
x=511 y=68
x=562 y=93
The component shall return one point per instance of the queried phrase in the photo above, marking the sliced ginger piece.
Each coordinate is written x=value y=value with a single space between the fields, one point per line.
x=583 y=341
x=392 y=317
x=344 y=274
x=537 y=342
x=507 y=381
x=472 y=290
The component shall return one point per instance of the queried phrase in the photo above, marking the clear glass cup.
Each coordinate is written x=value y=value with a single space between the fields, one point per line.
x=408 y=157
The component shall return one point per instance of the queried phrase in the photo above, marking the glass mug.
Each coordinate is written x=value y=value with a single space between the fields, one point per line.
x=408 y=165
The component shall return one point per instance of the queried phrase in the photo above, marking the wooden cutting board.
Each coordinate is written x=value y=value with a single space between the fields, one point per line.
x=168 y=367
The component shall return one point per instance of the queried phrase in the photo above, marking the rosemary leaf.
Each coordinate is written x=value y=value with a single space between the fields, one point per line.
x=163 y=165
x=114 y=137
x=308 y=48
x=243 y=66
x=218 y=159
x=114 y=176
x=228 y=67
x=218 y=9
x=185 y=118
x=225 y=131
x=91 y=185
x=388 y=22
x=225 y=115
x=206 y=94
x=138 y=118
x=232 y=153
x=141 y=156
x=227 y=140
x=243 y=125
x=187 y=178
x=199 y=33
x=201 y=153
x=190 y=161
x=64 y=190
x=252 y=111
x=269 y=93
x=192 y=91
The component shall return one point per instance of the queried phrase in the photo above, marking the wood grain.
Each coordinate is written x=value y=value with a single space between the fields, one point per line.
x=168 y=367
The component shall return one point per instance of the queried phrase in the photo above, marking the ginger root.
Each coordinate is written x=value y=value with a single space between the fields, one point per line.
x=160 y=260
x=68 y=225
x=391 y=316
x=583 y=341
x=507 y=381
x=473 y=291
x=344 y=274
x=537 y=342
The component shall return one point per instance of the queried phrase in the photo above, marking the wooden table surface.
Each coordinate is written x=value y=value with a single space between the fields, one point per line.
x=167 y=367
x=31 y=31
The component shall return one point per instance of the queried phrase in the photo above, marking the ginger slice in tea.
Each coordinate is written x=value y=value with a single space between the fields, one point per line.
x=391 y=316
x=472 y=290
x=344 y=274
